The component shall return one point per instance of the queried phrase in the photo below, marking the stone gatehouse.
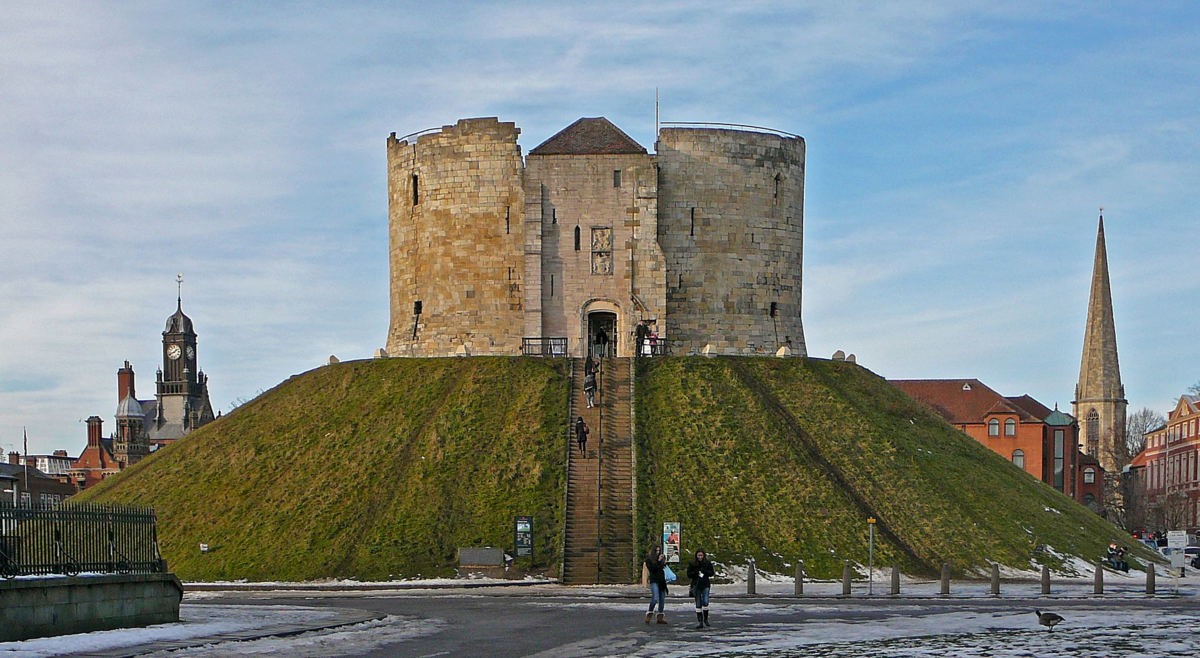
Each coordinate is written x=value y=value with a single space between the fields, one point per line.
x=567 y=249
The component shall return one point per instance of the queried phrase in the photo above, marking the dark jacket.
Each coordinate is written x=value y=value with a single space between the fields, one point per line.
x=581 y=431
x=654 y=573
x=697 y=568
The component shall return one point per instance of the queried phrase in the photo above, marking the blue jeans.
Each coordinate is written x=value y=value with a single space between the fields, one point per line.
x=657 y=594
x=702 y=598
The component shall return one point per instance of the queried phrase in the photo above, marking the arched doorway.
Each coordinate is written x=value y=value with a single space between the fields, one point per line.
x=602 y=334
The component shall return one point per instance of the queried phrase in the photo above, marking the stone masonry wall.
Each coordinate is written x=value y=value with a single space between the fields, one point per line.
x=43 y=607
x=566 y=192
x=731 y=223
x=459 y=249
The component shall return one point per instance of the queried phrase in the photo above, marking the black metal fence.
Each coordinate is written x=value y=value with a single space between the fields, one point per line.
x=654 y=347
x=70 y=539
x=544 y=346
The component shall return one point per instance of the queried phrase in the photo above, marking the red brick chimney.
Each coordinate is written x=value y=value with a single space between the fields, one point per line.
x=124 y=382
x=14 y=458
x=94 y=424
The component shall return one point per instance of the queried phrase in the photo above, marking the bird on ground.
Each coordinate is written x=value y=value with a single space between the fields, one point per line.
x=1048 y=619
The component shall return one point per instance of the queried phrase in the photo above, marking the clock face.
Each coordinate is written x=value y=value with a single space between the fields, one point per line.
x=173 y=352
x=191 y=353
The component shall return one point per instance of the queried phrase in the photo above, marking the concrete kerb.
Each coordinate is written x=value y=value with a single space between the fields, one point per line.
x=346 y=617
x=352 y=587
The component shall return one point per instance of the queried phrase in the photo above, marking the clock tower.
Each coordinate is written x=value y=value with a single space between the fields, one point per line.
x=183 y=403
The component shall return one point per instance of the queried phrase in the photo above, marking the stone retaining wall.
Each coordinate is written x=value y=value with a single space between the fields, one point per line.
x=43 y=607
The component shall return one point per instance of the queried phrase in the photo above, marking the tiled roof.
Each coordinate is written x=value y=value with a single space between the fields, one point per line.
x=963 y=401
x=589 y=136
x=1031 y=406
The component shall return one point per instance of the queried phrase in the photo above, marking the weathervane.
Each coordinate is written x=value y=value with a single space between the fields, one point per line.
x=179 y=287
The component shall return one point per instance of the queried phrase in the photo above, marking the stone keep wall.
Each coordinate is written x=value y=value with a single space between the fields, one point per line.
x=459 y=249
x=731 y=223
x=566 y=192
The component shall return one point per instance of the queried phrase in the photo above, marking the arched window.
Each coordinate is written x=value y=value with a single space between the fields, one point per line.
x=576 y=238
x=1089 y=475
x=993 y=427
x=1018 y=458
x=1010 y=427
x=1093 y=433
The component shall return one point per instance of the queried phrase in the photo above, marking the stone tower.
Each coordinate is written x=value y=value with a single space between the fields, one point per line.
x=456 y=207
x=1100 y=403
x=731 y=222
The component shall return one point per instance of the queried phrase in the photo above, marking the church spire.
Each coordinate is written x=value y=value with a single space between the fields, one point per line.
x=1099 y=396
x=1099 y=370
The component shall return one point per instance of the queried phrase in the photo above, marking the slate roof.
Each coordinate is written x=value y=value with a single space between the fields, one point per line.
x=589 y=136
x=968 y=401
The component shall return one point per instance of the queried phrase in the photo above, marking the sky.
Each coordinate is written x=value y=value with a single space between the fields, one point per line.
x=958 y=155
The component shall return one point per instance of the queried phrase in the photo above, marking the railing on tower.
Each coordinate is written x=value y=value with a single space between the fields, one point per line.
x=72 y=538
x=740 y=126
x=544 y=346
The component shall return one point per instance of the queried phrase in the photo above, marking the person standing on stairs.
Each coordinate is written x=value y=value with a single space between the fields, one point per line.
x=656 y=562
x=581 y=435
x=700 y=572
x=589 y=388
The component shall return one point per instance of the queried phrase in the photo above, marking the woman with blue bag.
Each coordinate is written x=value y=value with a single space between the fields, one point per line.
x=656 y=577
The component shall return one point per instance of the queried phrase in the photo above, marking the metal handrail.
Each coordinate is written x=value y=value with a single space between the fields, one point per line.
x=774 y=131
x=427 y=131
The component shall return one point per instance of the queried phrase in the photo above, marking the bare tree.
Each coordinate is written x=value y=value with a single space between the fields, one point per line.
x=1194 y=389
x=1170 y=511
x=1137 y=425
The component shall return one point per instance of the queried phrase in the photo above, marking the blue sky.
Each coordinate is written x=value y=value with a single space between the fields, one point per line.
x=957 y=156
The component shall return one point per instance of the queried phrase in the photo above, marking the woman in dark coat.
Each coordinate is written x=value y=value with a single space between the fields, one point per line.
x=657 y=579
x=701 y=573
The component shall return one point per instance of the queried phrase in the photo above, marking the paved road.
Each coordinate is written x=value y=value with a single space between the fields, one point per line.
x=501 y=624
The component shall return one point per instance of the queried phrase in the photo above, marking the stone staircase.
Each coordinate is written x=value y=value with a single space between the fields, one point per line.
x=598 y=545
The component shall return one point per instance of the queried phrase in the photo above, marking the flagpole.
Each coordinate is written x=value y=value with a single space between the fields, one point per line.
x=25 y=432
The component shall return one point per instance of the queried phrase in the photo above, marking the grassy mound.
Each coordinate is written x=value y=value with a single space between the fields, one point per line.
x=369 y=469
x=382 y=469
x=784 y=459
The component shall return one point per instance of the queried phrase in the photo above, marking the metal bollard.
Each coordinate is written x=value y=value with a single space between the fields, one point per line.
x=1150 y=579
x=995 y=579
x=799 y=577
x=750 y=588
x=846 y=579
x=1045 y=579
x=895 y=580
x=945 y=579
x=1098 y=587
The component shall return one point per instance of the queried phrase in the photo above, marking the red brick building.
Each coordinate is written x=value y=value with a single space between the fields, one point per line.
x=1043 y=442
x=1170 y=468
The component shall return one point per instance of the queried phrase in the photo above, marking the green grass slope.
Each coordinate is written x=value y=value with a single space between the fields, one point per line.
x=784 y=459
x=368 y=469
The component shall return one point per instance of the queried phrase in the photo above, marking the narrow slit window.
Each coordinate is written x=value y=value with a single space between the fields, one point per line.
x=576 y=238
x=693 y=231
x=551 y=285
x=778 y=179
x=554 y=215
x=507 y=225
x=616 y=178
x=416 y=190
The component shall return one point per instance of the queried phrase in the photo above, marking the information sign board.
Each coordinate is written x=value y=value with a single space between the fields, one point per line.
x=1176 y=539
x=523 y=532
x=671 y=541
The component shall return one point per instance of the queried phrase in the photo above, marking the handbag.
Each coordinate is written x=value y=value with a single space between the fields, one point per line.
x=669 y=575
